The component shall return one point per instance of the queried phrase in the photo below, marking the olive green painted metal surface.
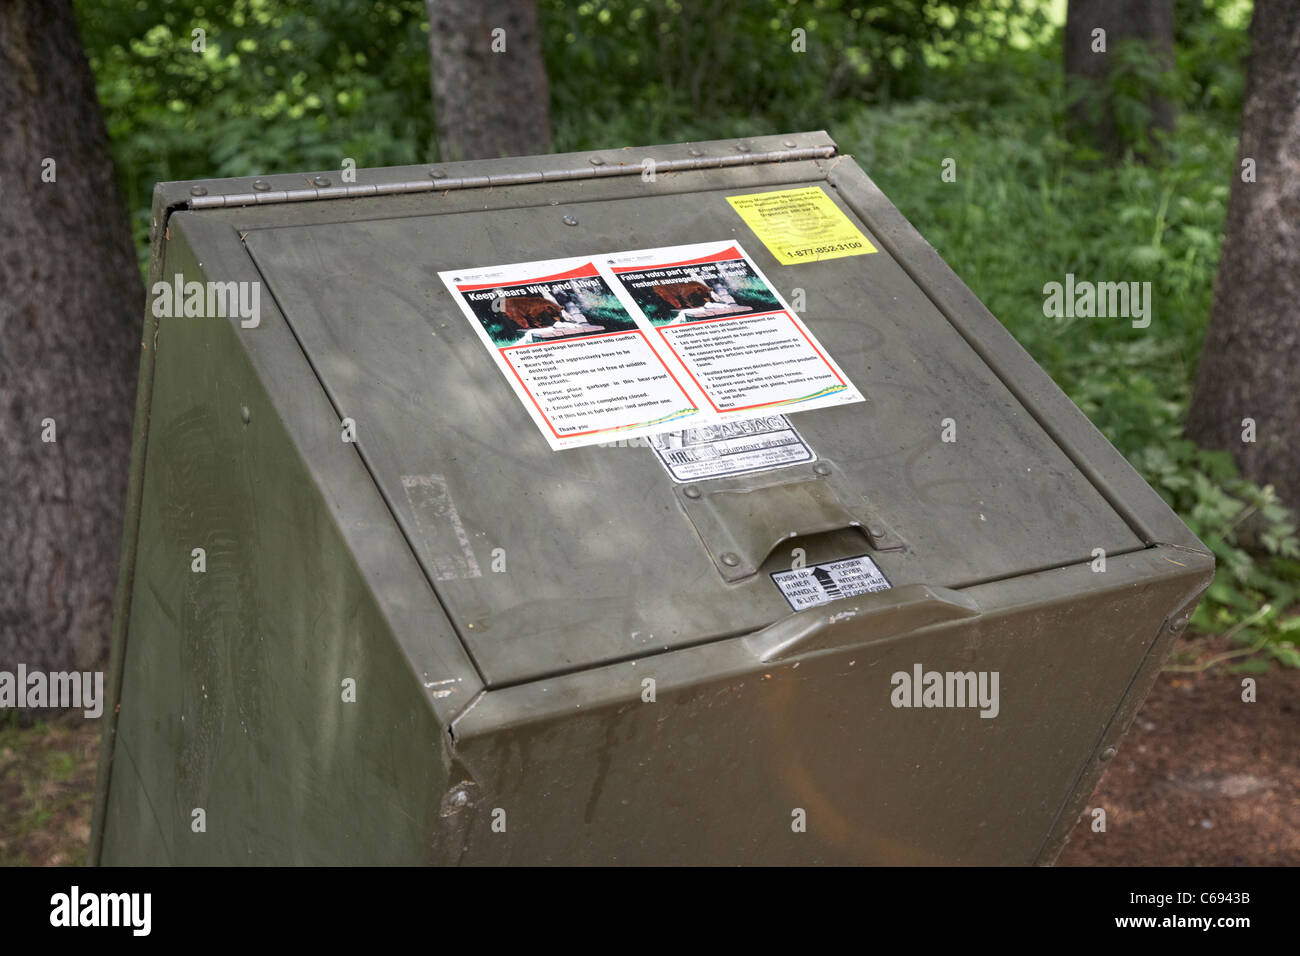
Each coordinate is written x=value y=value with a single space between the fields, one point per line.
x=520 y=698
x=711 y=772
x=394 y=351
x=232 y=698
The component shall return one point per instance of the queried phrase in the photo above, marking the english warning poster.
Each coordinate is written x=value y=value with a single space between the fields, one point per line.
x=741 y=345
x=631 y=344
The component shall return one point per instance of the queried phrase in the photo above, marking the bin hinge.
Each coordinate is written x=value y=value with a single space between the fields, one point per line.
x=263 y=192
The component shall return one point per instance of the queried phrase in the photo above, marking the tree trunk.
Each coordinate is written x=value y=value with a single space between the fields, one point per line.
x=1251 y=357
x=488 y=103
x=1093 y=115
x=70 y=310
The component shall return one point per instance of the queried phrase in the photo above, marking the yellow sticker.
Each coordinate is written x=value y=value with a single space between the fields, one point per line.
x=801 y=225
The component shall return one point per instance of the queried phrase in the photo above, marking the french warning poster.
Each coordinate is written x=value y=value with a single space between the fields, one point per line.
x=632 y=344
x=741 y=345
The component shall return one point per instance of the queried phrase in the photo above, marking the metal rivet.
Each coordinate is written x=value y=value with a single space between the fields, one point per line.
x=596 y=161
x=821 y=468
x=729 y=559
x=261 y=185
x=742 y=148
x=1178 y=624
x=245 y=415
x=695 y=152
x=875 y=531
x=437 y=174
x=459 y=798
x=690 y=491
x=789 y=144
x=570 y=220
x=321 y=180
x=198 y=191
x=1108 y=753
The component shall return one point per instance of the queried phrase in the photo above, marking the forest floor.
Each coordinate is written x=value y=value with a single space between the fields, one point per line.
x=1201 y=779
x=47 y=791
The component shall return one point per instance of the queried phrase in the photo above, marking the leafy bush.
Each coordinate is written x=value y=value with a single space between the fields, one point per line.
x=282 y=85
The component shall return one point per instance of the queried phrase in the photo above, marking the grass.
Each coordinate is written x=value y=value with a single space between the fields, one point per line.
x=47 y=786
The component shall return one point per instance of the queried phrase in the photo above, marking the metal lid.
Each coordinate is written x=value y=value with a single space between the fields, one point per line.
x=551 y=561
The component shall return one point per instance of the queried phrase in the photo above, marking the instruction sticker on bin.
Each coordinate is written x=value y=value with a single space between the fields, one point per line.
x=801 y=225
x=731 y=448
x=823 y=583
x=631 y=344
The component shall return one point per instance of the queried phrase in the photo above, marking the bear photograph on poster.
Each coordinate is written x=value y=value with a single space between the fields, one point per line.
x=548 y=311
x=699 y=292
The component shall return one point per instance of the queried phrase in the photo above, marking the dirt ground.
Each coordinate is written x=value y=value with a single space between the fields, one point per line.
x=1201 y=779
x=47 y=788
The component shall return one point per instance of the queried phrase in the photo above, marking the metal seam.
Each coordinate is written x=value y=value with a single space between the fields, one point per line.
x=242 y=197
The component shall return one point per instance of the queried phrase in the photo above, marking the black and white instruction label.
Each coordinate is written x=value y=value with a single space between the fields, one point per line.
x=823 y=583
x=731 y=448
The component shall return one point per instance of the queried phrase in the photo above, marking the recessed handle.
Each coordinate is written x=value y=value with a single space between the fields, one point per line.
x=742 y=521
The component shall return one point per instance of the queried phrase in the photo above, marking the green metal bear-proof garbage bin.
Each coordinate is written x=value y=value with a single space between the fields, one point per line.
x=664 y=505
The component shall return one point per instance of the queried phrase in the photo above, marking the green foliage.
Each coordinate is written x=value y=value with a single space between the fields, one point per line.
x=302 y=84
x=290 y=85
x=1137 y=75
x=670 y=68
x=1027 y=208
x=1210 y=44
x=282 y=85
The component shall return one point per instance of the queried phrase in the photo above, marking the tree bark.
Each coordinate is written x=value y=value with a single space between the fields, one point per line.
x=1151 y=21
x=70 y=310
x=1251 y=357
x=488 y=103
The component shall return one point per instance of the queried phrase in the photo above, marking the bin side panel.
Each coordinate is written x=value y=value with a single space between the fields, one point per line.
x=233 y=699
x=714 y=771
